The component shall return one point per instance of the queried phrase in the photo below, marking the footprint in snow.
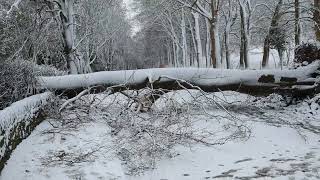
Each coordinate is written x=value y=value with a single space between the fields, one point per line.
x=227 y=174
x=243 y=160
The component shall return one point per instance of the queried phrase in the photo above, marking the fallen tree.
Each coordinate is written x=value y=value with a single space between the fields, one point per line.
x=296 y=82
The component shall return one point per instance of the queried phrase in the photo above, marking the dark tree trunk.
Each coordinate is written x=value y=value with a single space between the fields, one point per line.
x=316 y=18
x=274 y=24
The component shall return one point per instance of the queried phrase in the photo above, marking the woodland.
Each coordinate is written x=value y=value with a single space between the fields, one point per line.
x=159 y=89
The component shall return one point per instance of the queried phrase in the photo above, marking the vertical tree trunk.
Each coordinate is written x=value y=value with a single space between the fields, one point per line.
x=214 y=34
x=297 y=30
x=316 y=18
x=208 y=58
x=280 y=51
x=274 y=24
x=184 y=39
x=177 y=55
x=193 y=44
x=244 y=50
x=66 y=16
x=198 y=38
x=226 y=44
x=230 y=20
x=174 y=62
x=266 y=52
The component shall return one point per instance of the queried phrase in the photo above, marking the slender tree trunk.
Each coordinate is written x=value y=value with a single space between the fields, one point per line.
x=193 y=44
x=214 y=34
x=230 y=19
x=226 y=44
x=177 y=55
x=266 y=52
x=297 y=29
x=280 y=51
x=184 y=40
x=244 y=51
x=208 y=58
x=174 y=62
x=198 y=38
x=316 y=18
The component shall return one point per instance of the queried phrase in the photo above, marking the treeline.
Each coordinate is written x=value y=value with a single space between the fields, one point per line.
x=79 y=36
x=205 y=33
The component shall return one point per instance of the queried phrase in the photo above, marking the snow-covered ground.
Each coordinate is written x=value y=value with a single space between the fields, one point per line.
x=255 y=59
x=279 y=147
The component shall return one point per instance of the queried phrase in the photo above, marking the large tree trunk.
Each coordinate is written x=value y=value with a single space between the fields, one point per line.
x=66 y=16
x=264 y=82
x=274 y=24
x=75 y=61
x=316 y=18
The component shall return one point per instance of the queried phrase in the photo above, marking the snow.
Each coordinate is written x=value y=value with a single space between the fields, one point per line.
x=199 y=76
x=274 y=150
x=255 y=56
x=22 y=110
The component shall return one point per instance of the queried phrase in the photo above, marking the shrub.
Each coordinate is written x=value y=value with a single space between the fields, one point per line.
x=308 y=52
x=17 y=80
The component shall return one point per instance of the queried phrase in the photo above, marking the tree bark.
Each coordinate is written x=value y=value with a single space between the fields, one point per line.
x=198 y=38
x=244 y=49
x=266 y=52
x=274 y=24
x=184 y=40
x=66 y=16
x=214 y=34
x=316 y=18
x=208 y=38
x=297 y=29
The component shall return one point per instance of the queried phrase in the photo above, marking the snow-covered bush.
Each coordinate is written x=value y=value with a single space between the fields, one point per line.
x=18 y=120
x=17 y=80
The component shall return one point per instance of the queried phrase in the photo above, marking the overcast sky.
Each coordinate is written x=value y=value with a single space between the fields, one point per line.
x=130 y=14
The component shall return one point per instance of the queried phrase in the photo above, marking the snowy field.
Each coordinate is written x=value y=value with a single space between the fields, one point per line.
x=283 y=143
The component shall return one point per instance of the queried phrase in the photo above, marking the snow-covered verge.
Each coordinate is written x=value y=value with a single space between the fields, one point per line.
x=279 y=145
x=197 y=76
x=17 y=122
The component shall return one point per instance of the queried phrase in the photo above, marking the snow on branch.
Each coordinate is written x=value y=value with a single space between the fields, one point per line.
x=197 y=76
x=14 y=6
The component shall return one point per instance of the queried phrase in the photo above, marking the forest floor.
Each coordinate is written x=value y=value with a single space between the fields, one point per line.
x=284 y=143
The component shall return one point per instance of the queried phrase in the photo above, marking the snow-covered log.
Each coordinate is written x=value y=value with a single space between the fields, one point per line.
x=255 y=82
x=18 y=121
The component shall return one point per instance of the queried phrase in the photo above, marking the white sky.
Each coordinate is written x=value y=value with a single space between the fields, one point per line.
x=130 y=14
